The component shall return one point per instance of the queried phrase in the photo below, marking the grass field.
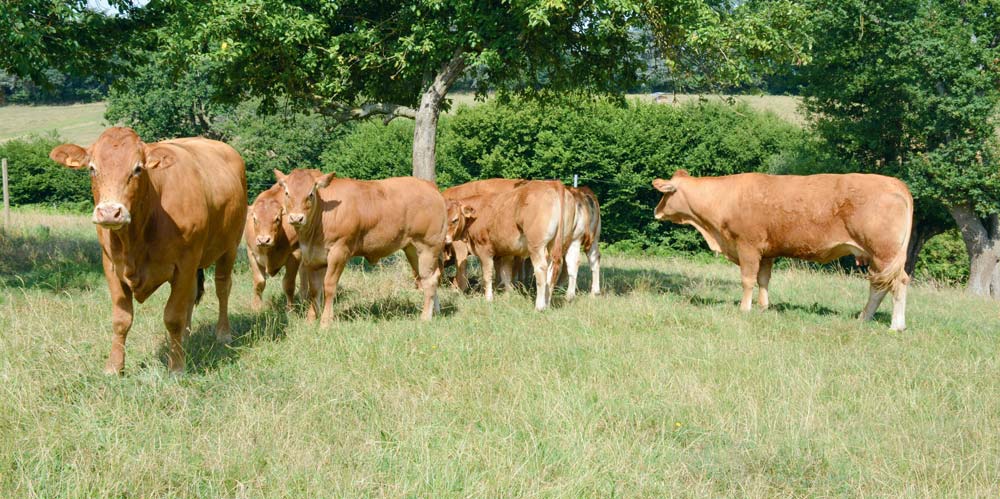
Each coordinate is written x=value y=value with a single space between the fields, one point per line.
x=77 y=123
x=659 y=388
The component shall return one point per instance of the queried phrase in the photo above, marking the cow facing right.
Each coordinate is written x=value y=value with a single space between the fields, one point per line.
x=753 y=218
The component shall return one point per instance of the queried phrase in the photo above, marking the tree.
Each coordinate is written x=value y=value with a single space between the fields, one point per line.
x=911 y=89
x=67 y=35
x=392 y=59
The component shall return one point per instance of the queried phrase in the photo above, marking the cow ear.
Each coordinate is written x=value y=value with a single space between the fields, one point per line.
x=279 y=176
x=159 y=157
x=681 y=173
x=468 y=211
x=70 y=155
x=324 y=181
x=664 y=186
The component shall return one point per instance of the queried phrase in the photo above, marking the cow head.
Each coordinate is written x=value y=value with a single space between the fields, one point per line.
x=118 y=163
x=265 y=216
x=459 y=216
x=672 y=204
x=302 y=194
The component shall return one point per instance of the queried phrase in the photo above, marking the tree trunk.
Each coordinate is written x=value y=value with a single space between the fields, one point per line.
x=982 y=242
x=426 y=119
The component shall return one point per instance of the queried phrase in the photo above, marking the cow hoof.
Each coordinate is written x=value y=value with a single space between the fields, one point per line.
x=111 y=370
x=224 y=340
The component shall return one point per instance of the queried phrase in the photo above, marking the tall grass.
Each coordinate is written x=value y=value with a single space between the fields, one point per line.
x=659 y=388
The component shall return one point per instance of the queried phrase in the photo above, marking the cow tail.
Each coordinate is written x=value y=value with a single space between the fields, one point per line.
x=201 y=286
x=894 y=274
x=558 y=247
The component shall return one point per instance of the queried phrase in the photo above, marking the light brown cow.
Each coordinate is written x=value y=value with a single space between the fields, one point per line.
x=458 y=248
x=527 y=222
x=164 y=211
x=585 y=236
x=337 y=219
x=754 y=218
x=272 y=245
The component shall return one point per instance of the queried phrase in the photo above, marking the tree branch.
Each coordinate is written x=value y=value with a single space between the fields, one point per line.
x=343 y=112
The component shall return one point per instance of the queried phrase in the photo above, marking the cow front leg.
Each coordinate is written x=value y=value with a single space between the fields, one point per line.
x=121 y=318
x=259 y=282
x=749 y=266
x=486 y=261
x=288 y=281
x=223 y=286
x=763 y=279
x=506 y=272
x=314 y=292
x=175 y=316
x=461 y=250
x=429 y=264
x=335 y=263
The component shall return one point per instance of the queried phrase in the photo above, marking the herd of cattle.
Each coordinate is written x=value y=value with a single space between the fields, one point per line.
x=168 y=210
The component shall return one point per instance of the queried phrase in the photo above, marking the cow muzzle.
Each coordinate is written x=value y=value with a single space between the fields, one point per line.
x=111 y=215
x=265 y=241
x=297 y=219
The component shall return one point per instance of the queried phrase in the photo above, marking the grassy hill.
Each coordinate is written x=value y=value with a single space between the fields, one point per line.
x=77 y=123
x=659 y=388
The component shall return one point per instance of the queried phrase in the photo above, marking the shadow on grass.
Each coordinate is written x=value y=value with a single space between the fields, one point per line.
x=391 y=308
x=204 y=354
x=36 y=258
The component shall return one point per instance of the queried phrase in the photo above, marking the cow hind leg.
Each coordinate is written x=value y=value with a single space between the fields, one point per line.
x=543 y=267
x=223 y=286
x=749 y=266
x=898 y=307
x=594 y=256
x=763 y=279
x=315 y=292
x=572 y=268
x=875 y=296
x=506 y=272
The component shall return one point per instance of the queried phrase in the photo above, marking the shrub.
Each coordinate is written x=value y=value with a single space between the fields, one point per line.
x=34 y=178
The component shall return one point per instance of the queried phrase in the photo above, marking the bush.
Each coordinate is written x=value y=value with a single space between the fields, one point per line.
x=944 y=260
x=34 y=178
x=616 y=150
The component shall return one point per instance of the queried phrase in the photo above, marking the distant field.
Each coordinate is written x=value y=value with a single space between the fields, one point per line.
x=660 y=388
x=77 y=123
x=82 y=123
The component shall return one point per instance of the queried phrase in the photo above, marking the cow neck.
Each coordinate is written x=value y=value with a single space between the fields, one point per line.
x=694 y=195
x=312 y=232
x=128 y=244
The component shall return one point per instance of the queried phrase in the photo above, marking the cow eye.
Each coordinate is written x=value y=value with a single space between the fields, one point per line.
x=93 y=171
x=137 y=170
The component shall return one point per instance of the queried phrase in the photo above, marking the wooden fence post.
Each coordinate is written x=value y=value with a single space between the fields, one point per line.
x=6 y=194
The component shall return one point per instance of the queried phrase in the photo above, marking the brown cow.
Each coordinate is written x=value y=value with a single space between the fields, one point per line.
x=164 y=212
x=337 y=219
x=528 y=221
x=272 y=245
x=585 y=236
x=458 y=248
x=754 y=218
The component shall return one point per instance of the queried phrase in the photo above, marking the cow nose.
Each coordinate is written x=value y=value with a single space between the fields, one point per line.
x=658 y=216
x=296 y=218
x=263 y=240
x=447 y=239
x=111 y=215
